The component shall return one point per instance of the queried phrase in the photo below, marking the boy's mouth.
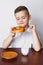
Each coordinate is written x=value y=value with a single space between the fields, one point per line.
x=21 y=23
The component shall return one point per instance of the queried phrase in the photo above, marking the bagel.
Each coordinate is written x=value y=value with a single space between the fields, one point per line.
x=9 y=54
x=18 y=29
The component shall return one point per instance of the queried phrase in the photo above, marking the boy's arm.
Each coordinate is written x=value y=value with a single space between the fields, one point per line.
x=8 y=40
x=37 y=43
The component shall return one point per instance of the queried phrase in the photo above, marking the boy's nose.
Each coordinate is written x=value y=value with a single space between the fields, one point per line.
x=21 y=20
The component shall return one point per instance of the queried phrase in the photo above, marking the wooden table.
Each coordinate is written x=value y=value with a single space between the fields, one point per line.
x=33 y=58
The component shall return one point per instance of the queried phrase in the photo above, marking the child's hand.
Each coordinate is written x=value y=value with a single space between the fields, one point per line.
x=32 y=27
x=13 y=34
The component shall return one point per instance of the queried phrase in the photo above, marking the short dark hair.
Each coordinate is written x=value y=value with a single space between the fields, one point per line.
x=20 y=8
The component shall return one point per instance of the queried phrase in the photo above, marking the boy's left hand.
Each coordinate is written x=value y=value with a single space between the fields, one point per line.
x=32 y=27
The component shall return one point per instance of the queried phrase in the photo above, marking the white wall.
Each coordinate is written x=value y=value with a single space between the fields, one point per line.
x=7 y=19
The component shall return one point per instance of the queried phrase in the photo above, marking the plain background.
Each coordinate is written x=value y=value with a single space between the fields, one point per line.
x=7 y=19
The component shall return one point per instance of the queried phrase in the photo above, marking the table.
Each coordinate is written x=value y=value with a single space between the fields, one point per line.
x=33 y=58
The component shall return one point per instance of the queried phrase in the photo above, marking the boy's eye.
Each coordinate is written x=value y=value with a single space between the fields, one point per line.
x=23 y=17
x=18 y=19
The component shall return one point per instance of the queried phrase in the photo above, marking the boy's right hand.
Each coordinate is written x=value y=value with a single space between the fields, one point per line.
x=12 y=34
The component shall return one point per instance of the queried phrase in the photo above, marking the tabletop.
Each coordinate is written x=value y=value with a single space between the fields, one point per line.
x=33 y=58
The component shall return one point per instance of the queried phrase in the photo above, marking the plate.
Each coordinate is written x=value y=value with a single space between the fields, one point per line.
x=9 y=54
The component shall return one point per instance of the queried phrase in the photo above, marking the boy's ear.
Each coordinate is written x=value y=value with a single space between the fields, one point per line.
x=29 y=17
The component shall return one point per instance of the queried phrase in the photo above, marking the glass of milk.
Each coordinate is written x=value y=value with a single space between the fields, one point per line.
x=25 y=49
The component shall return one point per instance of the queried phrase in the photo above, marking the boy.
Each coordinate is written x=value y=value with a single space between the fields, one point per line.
x=26 y=39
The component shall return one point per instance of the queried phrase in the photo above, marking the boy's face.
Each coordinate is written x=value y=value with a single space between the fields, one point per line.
x=22 y=18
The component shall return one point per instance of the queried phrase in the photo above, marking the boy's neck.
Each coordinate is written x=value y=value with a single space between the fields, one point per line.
x=26 y=27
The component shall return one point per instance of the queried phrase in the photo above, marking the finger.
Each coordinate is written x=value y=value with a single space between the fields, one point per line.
x=31 y=26
x=12 y=34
